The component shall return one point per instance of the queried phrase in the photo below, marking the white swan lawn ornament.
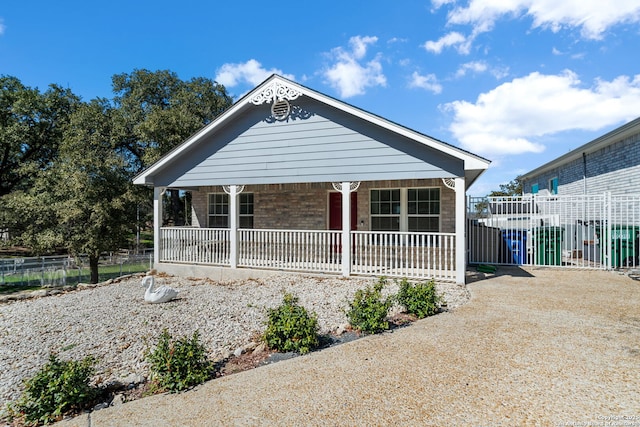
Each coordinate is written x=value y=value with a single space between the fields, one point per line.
x=157 y=296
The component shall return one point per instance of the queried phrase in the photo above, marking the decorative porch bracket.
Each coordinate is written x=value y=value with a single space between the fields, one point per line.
x=233 y=191
x=346 y=188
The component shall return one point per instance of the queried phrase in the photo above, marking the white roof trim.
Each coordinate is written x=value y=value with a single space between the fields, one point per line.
x=286 y=88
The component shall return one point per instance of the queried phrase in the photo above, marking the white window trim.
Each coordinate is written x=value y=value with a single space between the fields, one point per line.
x=228 y=201
x=404 y=206
x=209 y=214
x=439 y=215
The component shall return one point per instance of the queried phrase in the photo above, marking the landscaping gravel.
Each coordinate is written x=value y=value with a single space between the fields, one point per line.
x=112 y=322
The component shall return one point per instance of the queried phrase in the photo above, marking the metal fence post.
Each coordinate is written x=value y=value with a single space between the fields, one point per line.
x=609 y=239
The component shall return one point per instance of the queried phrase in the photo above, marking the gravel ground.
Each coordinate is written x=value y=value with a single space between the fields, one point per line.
x=538 y=347
x=113 y=323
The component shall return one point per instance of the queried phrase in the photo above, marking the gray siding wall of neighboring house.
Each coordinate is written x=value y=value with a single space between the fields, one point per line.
x=614 y=168
x=305 y=206
x=316 y=143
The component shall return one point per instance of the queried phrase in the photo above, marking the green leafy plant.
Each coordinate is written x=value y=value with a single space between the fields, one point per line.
x=177 y=365
x=368 y=310
x=60 y=387
x=421 y=299
x=291 y=328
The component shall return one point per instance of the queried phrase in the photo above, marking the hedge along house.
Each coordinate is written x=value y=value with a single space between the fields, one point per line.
x=291 y=179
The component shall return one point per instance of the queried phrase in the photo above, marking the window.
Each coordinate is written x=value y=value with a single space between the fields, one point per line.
x=423 y=209
x=385 y=210
x=246 y=210
x=413 y=209
x=219 y=210
x=534 y=189
x=553 y=185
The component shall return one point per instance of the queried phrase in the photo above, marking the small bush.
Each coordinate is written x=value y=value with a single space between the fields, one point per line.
x=420 y=299
x=368 y=310
x=179 y=365
x=291 y=328
x=60 y=387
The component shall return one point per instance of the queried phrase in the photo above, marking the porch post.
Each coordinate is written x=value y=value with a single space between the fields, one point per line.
x=233 y=225
x=157 y=221
x=461 y=229
x=346 y=228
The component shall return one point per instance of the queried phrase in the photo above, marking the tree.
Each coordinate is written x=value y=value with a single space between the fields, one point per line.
x=84 y=202
x=512 y=188
x=158 y=111
x=79 y=196
x=31 y=128
x=97 y=204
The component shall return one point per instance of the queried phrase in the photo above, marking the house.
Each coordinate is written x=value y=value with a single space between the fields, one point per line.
x=291 y=179
x=610 y=163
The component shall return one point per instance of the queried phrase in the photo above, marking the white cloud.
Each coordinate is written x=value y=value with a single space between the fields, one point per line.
x=509 y=118
x=428 y=82
x=348 y=75
x=2 y=26
x=478 y=67
x=592 y=17
x=474 y=67
x=454 y=38
x=251 y=72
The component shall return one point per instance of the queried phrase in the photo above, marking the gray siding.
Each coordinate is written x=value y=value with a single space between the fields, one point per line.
x=614 y=168
x=316 y=144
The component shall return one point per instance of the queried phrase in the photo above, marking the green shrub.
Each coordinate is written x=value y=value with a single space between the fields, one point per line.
x=291 y=328
x=368 y=310
x=60 y=387
x=179 y=365
x=420 y=299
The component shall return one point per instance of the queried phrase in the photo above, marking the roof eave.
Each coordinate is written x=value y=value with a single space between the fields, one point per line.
x=611 y=137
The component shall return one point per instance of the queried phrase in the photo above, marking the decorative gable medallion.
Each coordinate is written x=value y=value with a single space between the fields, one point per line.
x=276 y=91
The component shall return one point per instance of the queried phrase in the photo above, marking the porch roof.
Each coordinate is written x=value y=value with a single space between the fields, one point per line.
x=321 y=139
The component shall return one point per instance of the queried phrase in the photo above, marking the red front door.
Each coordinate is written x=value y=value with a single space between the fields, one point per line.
x=335 y=211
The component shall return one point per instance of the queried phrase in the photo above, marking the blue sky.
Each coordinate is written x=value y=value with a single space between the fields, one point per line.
x=519 y=82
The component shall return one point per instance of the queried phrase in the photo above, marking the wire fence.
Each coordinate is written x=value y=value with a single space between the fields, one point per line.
x=53 y=271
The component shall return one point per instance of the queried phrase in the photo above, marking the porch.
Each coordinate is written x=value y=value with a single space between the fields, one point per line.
x=391 y=254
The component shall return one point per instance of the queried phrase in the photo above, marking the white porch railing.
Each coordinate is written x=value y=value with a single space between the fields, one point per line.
x=302 y=250
x=392 y=254
x=195 y=245
x=412 y=255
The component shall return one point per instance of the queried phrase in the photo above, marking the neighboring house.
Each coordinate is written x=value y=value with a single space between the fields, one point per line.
x=610 y=163
x=291 y=179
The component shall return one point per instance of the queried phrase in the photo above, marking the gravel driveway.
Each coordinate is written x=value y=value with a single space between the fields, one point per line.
x=537 y=347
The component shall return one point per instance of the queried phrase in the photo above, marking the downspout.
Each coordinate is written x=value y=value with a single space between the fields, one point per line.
x=584 y=172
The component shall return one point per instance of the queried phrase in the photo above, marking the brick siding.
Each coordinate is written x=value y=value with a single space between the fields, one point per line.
x=305 y=206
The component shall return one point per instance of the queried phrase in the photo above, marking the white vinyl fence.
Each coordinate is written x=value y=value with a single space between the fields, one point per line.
x=589 y=231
